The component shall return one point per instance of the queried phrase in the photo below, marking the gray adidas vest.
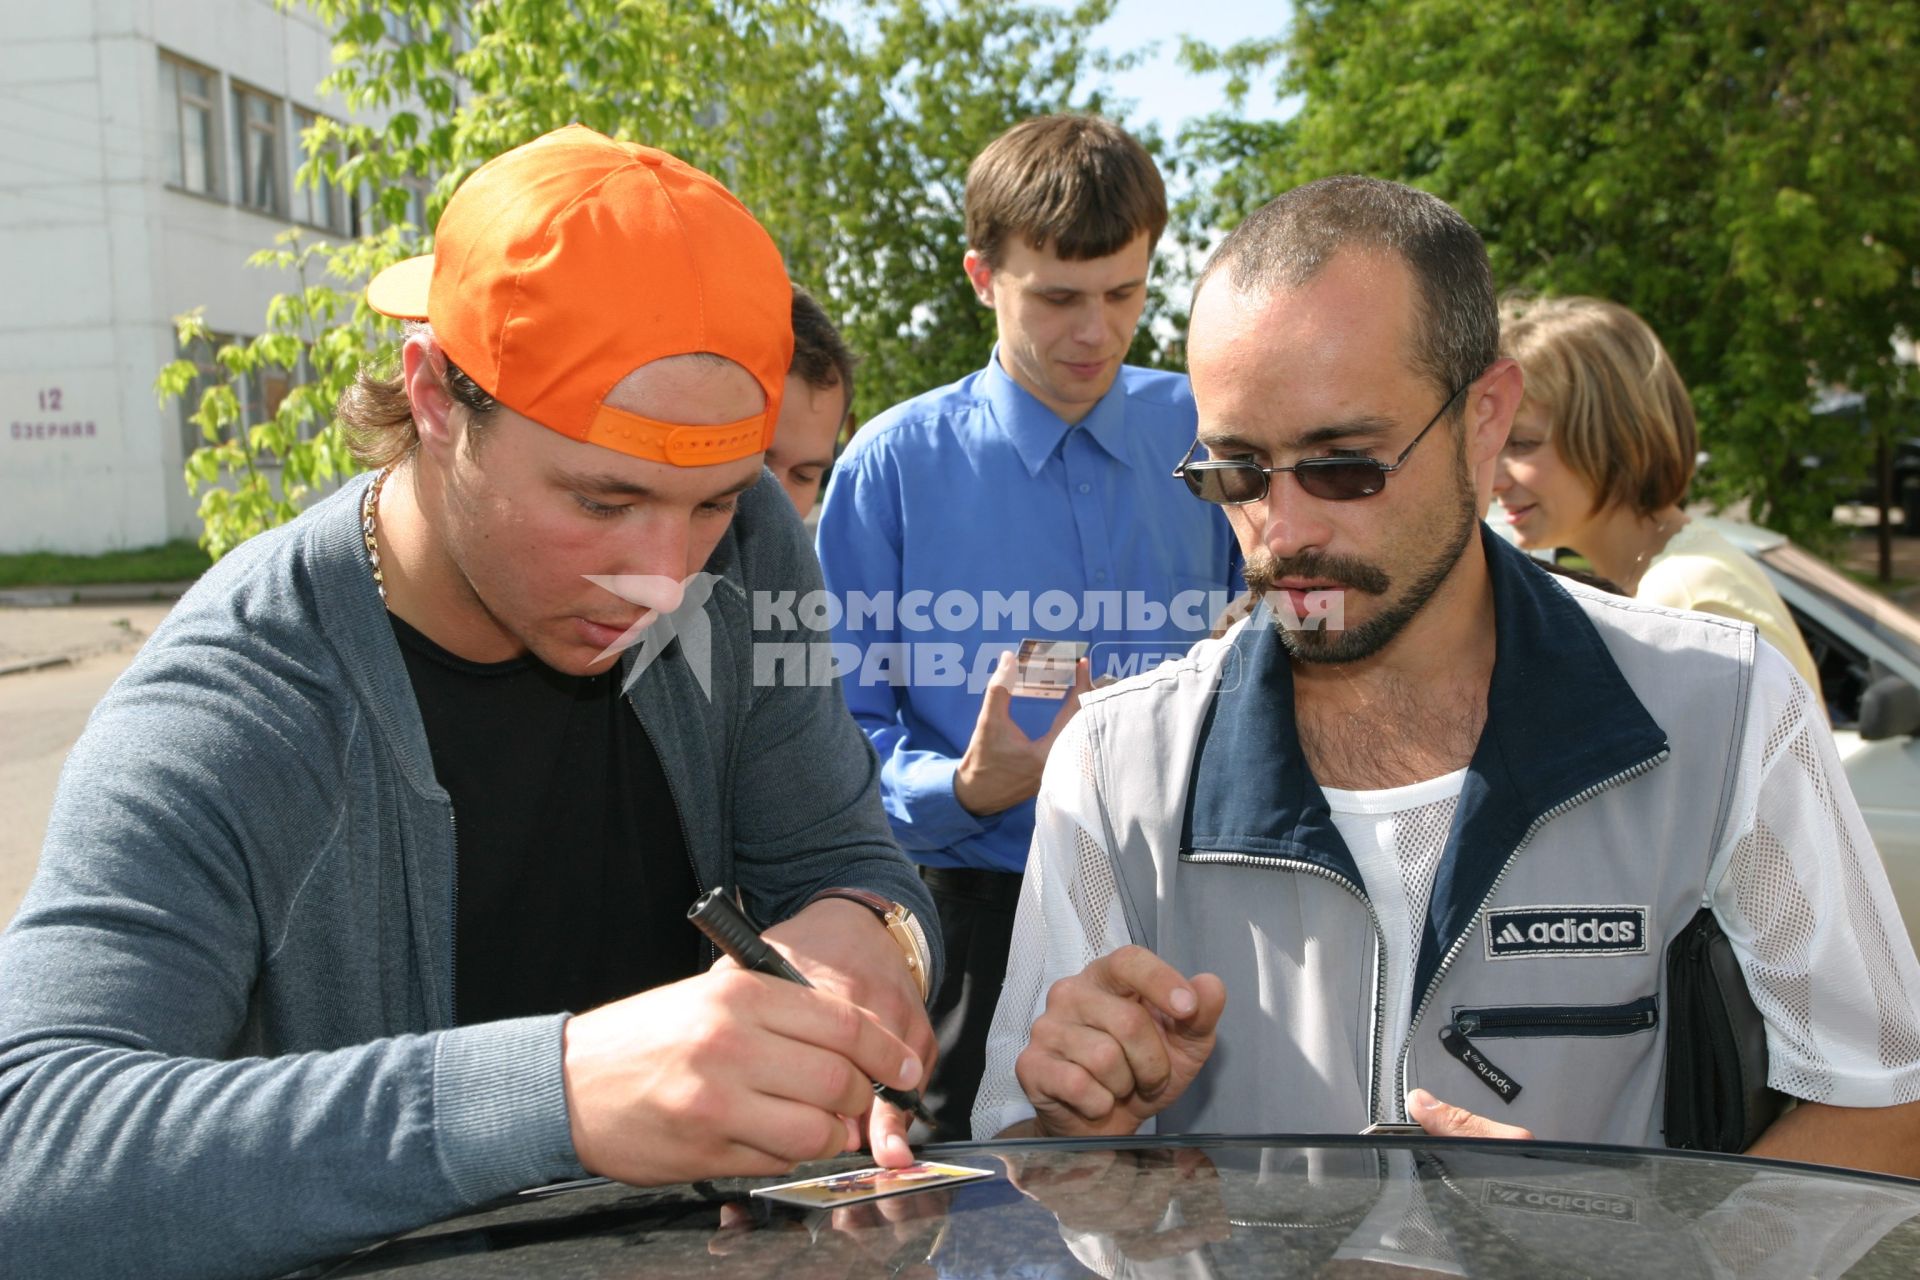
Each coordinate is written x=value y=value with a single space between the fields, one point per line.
x=1543 y=1003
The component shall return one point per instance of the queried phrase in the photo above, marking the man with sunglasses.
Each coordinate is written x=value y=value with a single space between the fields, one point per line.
x=1410 y=843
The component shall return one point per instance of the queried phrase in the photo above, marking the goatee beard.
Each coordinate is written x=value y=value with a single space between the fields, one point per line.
x=1308 y=643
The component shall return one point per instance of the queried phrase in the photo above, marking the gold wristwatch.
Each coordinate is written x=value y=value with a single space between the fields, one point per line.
x=902 y=926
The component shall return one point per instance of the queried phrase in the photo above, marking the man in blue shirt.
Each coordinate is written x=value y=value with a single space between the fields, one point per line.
x=1031 y=500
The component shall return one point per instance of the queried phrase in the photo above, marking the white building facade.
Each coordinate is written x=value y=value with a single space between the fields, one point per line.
x=147 y=149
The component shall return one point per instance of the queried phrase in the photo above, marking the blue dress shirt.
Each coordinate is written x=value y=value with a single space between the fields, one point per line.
x=978 y=488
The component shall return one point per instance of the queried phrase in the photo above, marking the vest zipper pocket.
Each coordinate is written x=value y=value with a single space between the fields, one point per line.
x=1523 y=1021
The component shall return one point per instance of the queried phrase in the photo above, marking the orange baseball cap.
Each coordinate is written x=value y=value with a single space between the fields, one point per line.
x=565 y=264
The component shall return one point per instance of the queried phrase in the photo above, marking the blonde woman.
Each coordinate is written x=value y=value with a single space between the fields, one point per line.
x=1599 y=460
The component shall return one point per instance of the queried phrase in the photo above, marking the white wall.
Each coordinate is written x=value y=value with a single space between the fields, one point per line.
x=98 y=253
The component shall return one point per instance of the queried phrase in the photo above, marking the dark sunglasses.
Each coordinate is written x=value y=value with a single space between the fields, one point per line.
x=1238 y=481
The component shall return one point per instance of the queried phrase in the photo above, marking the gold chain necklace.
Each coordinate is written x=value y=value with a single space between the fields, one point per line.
x=369 y=505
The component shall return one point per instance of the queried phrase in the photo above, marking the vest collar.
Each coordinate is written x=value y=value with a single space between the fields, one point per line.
x=1561 y=722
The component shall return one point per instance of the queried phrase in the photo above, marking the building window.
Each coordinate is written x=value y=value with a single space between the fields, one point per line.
x=320 y=204
x=364 y=217
x=260 y=393
x=209 y=373
x=264 y=391
x=418 y=189
x=257 y=150
x=188 y=96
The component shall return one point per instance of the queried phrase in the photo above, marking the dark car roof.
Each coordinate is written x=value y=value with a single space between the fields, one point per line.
x=1226 y=1207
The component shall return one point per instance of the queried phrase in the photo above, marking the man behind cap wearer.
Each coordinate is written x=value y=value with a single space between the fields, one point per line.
x=818 y=397
x=1043 y=478
x=323 y=872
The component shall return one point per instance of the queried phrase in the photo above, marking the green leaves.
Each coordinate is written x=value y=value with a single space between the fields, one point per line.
x=264 y=406
x=872 y=171
x=1738 y=173
x=850 y=141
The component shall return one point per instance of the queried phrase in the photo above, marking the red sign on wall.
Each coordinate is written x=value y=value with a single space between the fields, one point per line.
x=39 y=409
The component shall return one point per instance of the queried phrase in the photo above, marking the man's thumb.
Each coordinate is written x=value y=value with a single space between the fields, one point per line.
x=1443 y=1120
x=998 y=698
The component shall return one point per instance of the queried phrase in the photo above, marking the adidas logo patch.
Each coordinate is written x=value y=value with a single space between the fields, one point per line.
x=1561 y=1200
x=1514 y=932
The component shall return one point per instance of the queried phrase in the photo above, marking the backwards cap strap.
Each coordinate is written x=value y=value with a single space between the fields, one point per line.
x=677 y=443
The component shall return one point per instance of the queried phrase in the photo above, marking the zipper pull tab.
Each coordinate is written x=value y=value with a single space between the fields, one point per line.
x=1457 y=1044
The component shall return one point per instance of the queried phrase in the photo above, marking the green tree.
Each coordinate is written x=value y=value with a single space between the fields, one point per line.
x=1739 y=173
x=850 y=141
x=875 y=214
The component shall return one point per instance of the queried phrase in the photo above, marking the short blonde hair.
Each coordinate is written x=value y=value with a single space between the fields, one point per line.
x=1621 y=415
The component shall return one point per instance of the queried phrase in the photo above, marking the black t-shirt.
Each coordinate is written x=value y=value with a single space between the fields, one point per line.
x=572 y=875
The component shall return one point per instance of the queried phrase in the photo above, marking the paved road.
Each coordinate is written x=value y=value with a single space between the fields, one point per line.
x=42 y=712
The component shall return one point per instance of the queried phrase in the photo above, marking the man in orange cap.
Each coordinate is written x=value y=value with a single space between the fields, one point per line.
x=400 y=784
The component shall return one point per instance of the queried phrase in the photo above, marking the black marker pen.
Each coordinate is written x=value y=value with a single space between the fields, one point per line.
x=716 y=916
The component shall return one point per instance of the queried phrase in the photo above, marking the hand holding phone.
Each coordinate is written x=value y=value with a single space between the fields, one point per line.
x=1045 y=668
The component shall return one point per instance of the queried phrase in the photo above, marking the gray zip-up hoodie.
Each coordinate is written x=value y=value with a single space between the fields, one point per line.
x=226 y=1005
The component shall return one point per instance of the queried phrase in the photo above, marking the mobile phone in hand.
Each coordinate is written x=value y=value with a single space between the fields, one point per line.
x=1044 y=668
